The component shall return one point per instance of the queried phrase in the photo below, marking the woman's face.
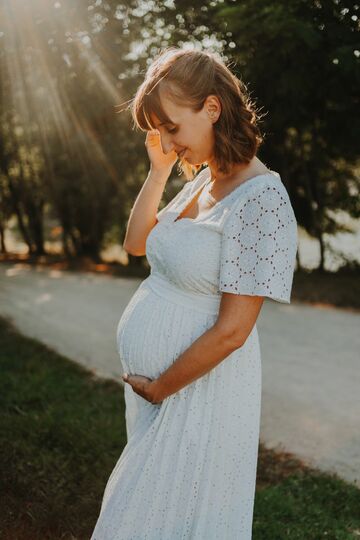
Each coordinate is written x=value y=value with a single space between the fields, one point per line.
x=190 y=134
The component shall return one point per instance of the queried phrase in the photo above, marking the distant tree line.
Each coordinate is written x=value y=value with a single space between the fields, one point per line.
x=65 y=153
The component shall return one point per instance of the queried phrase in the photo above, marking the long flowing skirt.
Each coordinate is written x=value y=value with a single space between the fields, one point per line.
x=188 y=470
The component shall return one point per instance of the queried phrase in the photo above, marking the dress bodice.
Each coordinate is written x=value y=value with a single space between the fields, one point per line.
x=245 y=238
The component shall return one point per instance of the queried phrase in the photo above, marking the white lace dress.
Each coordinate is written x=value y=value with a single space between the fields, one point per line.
x=188 y=470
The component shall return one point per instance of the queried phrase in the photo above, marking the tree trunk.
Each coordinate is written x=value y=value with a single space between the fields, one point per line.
x=16 y=206
x=2 y=238
x=318 y=222
x=65 y=242
x=35 y=214
x=313 y=196
x=321 y=266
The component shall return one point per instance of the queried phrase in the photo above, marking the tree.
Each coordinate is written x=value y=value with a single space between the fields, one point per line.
x=300 y=59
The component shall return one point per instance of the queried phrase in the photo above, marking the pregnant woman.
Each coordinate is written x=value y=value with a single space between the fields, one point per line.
x=188 y=340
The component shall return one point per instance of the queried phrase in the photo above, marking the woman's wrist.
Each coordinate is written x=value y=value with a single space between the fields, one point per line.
x=159 y=176
x=157 y=391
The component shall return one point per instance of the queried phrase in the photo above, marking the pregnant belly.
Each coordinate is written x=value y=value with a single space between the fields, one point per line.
x=153 y=332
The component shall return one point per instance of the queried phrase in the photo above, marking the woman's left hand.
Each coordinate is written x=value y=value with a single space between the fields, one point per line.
x=143 y=386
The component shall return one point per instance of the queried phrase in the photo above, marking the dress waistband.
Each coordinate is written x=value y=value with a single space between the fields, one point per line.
x=206 y=303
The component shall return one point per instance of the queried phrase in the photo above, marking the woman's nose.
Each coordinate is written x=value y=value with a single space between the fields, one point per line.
x=166 y=144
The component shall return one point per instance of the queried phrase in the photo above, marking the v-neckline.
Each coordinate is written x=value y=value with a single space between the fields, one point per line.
x=200 y=189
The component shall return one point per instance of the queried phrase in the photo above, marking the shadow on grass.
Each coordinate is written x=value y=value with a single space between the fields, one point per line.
x=62 y=432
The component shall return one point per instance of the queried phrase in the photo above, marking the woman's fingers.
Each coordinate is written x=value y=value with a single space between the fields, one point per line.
x=136 y=381
x=159 y=159
x=152 y=137
x=140 y=384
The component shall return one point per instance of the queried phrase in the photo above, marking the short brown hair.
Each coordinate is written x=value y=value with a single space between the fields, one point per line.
x=189 y=76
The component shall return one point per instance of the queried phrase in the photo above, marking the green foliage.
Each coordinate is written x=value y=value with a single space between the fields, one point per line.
x=66 y=66
x=300 y=61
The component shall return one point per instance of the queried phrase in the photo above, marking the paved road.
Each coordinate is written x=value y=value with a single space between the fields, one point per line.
x=310 y=356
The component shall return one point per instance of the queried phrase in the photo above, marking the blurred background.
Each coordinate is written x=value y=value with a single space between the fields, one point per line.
x=71 y=164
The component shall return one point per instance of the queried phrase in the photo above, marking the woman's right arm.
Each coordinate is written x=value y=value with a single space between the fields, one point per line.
x=143 y=214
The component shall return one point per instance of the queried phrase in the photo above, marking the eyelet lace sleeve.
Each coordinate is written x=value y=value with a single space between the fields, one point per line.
x=259 y=244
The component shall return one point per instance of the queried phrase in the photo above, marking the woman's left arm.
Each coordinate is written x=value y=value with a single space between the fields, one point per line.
x=237 y=316
x=257 y=259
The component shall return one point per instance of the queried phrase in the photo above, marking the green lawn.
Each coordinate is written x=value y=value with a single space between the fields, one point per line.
x=62 y=432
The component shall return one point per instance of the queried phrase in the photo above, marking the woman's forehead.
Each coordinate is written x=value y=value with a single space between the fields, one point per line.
x=162 y=106
x=154 y=111
x=158 y=122
x=160 y=117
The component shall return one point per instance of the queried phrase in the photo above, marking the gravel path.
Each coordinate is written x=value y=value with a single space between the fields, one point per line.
x=310 y=356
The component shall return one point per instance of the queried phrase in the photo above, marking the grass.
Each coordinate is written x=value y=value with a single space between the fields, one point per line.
x=341 y=288
x=62 y=431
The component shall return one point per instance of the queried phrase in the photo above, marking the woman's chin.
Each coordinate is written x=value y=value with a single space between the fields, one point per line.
x=184 y=160
x=188 y=159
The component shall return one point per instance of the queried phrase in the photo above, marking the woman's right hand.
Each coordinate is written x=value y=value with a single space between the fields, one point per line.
x=159 y=160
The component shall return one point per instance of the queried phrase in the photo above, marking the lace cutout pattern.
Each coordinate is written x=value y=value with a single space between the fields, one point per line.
x=259 y=244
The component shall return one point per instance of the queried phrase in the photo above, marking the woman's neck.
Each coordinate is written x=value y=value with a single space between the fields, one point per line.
x=238 y=173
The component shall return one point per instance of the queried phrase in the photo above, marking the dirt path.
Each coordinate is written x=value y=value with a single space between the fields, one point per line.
x=310 y=356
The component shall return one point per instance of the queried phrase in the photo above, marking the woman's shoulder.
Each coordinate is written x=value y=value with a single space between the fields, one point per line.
x=262 y=188
x=263 y=197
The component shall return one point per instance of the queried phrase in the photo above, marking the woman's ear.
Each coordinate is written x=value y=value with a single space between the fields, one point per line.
x=213 y=107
